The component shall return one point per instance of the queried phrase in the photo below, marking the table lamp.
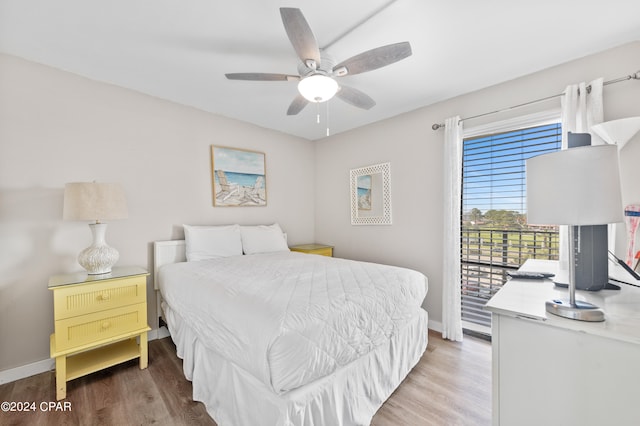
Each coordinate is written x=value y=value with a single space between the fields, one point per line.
x=619 y=132
x=576 y=186
x=91 y=201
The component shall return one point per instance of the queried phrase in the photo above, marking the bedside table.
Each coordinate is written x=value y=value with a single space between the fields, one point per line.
x=100 y=321
x=321 y=249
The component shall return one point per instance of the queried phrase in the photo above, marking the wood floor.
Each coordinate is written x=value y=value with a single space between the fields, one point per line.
x=451 y=385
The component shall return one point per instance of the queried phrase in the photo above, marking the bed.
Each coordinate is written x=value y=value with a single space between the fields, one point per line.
x=273 y=337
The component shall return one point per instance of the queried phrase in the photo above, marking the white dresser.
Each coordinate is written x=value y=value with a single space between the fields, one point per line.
x=550 y=371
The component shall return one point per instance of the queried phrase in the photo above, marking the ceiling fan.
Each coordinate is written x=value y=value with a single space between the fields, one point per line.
x=317 y=71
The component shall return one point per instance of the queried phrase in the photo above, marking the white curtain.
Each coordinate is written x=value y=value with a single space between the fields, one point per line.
x=451 y=305
x=581 y=109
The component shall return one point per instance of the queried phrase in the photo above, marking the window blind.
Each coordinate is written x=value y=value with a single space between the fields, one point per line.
x=494 y=234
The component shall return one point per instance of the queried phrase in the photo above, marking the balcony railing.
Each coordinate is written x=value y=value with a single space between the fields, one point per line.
x=487 y=255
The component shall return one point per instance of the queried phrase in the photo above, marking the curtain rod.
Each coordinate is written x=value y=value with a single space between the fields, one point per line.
x=635 y=76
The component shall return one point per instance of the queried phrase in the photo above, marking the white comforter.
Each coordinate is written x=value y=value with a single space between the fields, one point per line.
x=290 y=318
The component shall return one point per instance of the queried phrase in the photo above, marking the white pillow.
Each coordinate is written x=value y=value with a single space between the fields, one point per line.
x=263 y=239
x=210 y=242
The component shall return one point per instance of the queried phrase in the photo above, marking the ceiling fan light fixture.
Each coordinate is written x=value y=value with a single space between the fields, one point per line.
x=318 y=88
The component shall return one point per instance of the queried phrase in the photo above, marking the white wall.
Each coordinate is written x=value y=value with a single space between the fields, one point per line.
x=415 y=152
x=56 y=127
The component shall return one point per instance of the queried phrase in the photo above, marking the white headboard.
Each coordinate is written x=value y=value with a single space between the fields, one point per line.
x=166 y=252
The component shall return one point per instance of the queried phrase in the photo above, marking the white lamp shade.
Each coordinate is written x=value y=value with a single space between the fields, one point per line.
x=576 y=186
x=318 y=88
x=94 y=201
x=617 y=132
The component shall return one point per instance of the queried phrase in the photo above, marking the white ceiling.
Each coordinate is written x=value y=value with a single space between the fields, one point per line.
x=180 y=50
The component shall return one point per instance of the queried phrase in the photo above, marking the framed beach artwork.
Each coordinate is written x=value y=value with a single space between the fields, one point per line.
x=364 y=192
x=371 y=195
x=238 y=177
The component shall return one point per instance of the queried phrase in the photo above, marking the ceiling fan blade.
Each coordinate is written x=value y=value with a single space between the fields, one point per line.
x=300 y=35
x=297 y=105
x=355 y=97
x=259 y=76
x=374 y=59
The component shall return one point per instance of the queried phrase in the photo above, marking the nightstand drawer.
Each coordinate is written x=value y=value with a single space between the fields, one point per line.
x=81 y=330
x=321 y=249
x=327 y=251
x=79 y=300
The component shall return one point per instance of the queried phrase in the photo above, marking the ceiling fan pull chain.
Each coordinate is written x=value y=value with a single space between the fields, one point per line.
x=327 y=118
x=317 y=112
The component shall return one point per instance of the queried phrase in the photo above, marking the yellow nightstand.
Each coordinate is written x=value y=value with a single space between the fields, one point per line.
x=100 y=321
x=321 y=249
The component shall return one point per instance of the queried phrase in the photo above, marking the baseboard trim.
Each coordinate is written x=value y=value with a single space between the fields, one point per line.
x=435 y=325
x=13 y=374
x=28 y=370
x=162 y=332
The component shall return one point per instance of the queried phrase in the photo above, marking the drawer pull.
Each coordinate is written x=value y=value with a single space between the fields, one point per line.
x=104 y=297
x=106 y=325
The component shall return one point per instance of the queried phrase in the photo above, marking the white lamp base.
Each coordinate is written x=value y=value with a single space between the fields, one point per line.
x=581 y=311
x=99 y=257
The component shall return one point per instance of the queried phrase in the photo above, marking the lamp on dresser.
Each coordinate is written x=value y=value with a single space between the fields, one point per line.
x=95 y=202
x=619 y=132
x=575 y=187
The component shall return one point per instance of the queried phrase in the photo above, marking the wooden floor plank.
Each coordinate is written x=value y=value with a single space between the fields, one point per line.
x=451 y=385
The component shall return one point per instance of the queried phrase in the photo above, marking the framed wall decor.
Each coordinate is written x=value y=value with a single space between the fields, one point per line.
x=238 y=177
x=371 y=195
x=363 y=183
